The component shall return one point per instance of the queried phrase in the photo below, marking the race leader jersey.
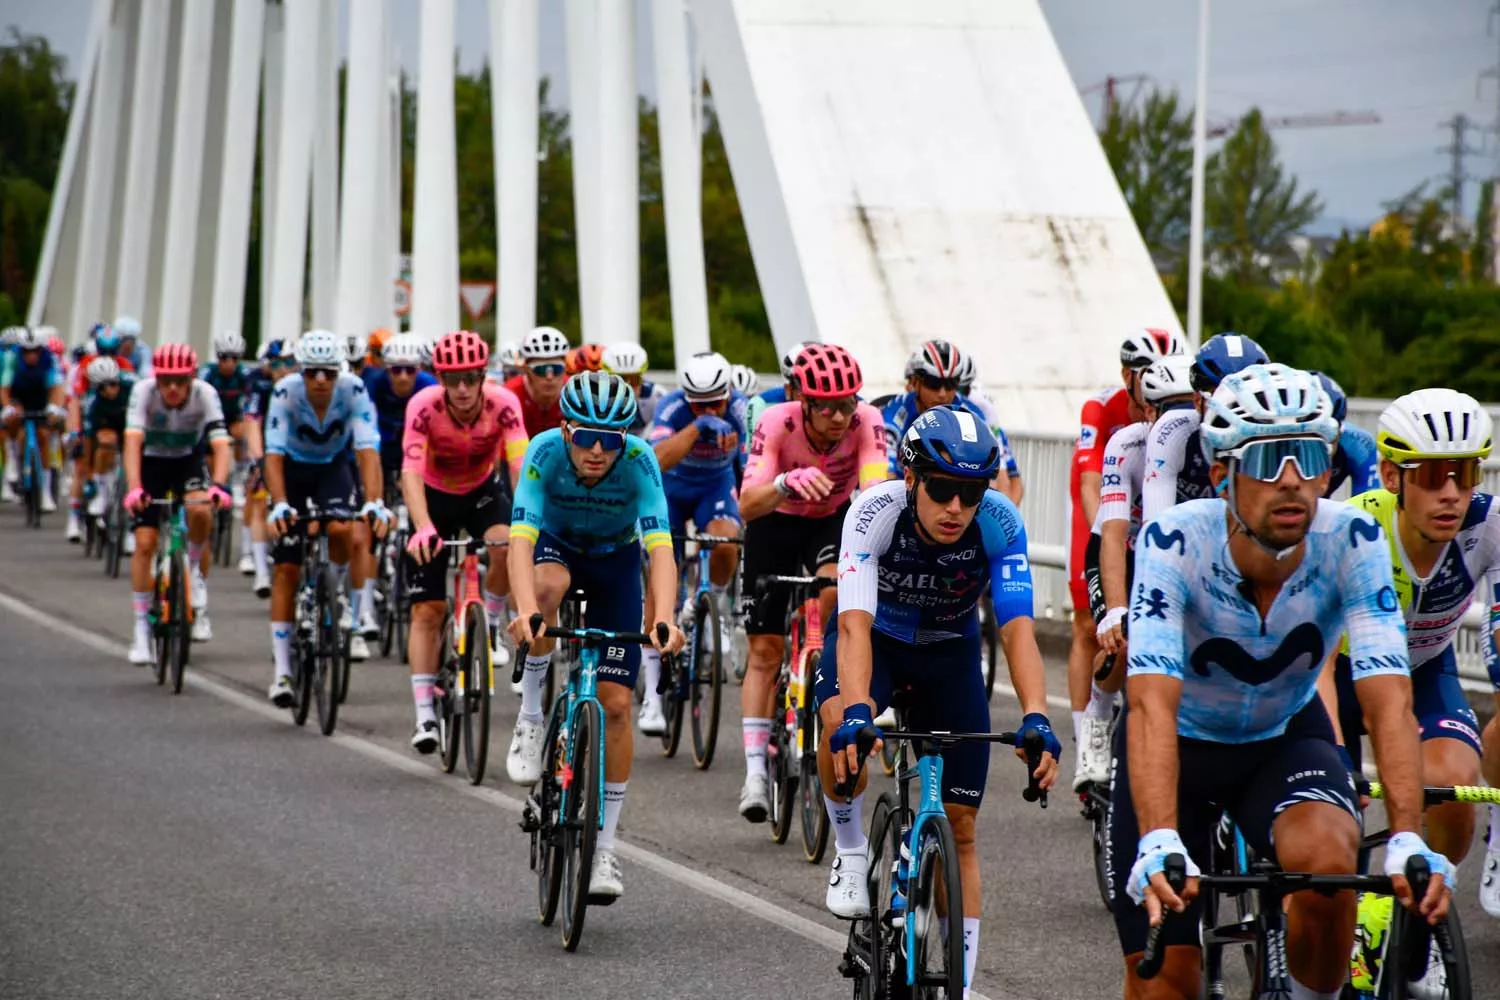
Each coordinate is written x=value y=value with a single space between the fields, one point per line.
x=174 y=433
x=921 y=592
x=626 y=504
x=705 y=462
x=1243 y=676
x=294 y=429
x=1120 y=484
x=1434 y=605
x=1103 y=416
x=1176 y=468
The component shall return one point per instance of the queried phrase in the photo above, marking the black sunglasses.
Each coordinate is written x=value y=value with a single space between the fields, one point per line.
x=943 y=490
x=401 y=369
x=320 y=373
x=934 y=384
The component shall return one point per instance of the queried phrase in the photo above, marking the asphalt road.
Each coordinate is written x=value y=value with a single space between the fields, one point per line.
x=201 y=846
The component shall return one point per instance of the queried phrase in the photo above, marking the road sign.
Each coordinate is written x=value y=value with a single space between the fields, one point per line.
x=477 y=296
x=402 y=289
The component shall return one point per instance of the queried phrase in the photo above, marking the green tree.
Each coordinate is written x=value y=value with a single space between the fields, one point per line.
x=1150 y=148
x=36 y=96
x=1482 y=247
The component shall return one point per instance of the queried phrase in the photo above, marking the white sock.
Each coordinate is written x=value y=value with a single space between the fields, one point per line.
x=971 y=952
x=46 y=480
x=356 y=602
x=140 y=603
x=532 y=682
x=421 y=697
x=259 y=551
x=368 y=591
x=1494 y=839
x=1300 y=992
x=614 y=798
x=757 y=733
x=101 y=483
x=651 y=664
x=341 y=576
x=848 y=823
x=281 y=647
x=12 y=458
x=1077 y=725
x=1101 y=703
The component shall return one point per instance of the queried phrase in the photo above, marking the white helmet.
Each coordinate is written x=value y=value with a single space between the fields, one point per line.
x=543 y=343
x=11 y=335
x=509 y=354
x=320 y=349
x=31 y=339
x=1434 y=423
x=127 y=326
x=1167 y=378
x=624 y=358
x=744 y=379
x=966 y=374
x=789 y=361
x=229 y=342
x=1148 y=345
x=706 y=376
x=403 y=349
x=356 y=346
x=1266 y=401
x=101 y=370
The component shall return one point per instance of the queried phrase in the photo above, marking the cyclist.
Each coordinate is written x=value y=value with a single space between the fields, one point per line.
x=103 y=428
x=745 y=381
x=362 y=556
x=314 y=416
x=1234 y=598
x=31 y=382
x=697 y=435
x=627 y=359
x=589 y=500
x=105 y=343
x=508 y=353
x=457 y=436
x=784 y=393
x=806 y=459
x=171 y=414
x=932 y=380
x=391 y=390
x=132 y=347
x=375 y=350
x=231 y=380
x=543 y=352
x=583 y=359
x=1357 y=460
x=917 y=554
x=277 y=363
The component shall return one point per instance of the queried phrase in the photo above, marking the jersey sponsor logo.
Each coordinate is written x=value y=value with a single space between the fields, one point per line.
x=1303 y=646
x=1386 y=600
x=1363 y=529
x=1384 y=664
x=949 y=558
x=1153 y=604
x=1221 y=595
x=1156 y=537
x=869 y=510
x=1460 y=728
x=1088 y=436
x=327 y=434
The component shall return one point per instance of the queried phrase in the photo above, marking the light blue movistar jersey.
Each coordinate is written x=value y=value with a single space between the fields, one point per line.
x=1244 y=677
x=294 y=430
x=628 y=503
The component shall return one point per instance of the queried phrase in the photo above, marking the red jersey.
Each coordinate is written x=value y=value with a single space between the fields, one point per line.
x=535 y=418
x=1102 y=415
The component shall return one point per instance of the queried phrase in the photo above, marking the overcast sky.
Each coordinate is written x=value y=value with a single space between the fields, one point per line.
x=1414 y=62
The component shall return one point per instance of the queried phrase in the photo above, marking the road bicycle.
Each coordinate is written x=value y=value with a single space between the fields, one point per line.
x=31 y=467
x=564 y=811
x=320 y=648
x=391 y=596
x=171 y=615
x=115 y=526
x=465 y=681
x=695 y=687
x=906 y=947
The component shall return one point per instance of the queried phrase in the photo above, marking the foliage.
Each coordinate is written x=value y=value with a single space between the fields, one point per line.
x=36 y=95
x=1151 y=152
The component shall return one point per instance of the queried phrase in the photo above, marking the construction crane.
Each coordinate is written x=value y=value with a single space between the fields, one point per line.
x=1123 y=91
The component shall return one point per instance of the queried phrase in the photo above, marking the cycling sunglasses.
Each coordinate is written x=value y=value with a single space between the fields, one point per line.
x=702 y=405
x=547 y=369
x=455 y=379
x=280 y=363
x=230 y=357
x=1433 y=473
x=1263 y=460
x=843 y=406
x=173 y=381
x=608 y=440
x=943 y=489
x=934 y=384
x=401 y=369
x=313 y=374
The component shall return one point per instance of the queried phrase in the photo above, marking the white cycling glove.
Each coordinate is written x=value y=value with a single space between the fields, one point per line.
x=1112 y=617
x=1151 y=857
x=1403 y=846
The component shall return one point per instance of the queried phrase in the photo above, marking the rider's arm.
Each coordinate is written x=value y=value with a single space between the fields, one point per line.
x=759 y=494
x=278 y=415
x=134 y=441
x=1005 y=544
x=414 y=463
x=1114 y=553
x=855 y=657
x=223 y=458
x=1164 y=453
x=671 y=446
x=370 y=474
x=1328 y=694
x=655 y=526
x=513 y=435
x=1088 y=455
x=873 y=466
x=526 y=524
x=367 y=442
x=864 y=538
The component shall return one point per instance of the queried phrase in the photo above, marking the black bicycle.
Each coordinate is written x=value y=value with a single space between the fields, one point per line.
x=694 y=688
x=320 y=649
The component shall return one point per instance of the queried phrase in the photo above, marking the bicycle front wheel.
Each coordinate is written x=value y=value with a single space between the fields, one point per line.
x=449 y=700
x=476 y=692
x=326 y=655
x=809 y=787
x=677 y=676
x=707 y=681
x=989 y=644
x=876 y=939
x=546 y=850
x=781 y=771
x=181 y=621
x=1408 y=953
x=581 y=819
x=161 y=628
x=936 y=953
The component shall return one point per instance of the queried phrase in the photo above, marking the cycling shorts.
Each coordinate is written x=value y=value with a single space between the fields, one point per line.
x=1438 y=701
x=178 y=475
x=611 y=585
x=104 y=418
x=476 y=512
x=785 y=545
x=1253 y=782
x=946 y=691
x=701 y=503
x=329 y=485
x=1095 y=580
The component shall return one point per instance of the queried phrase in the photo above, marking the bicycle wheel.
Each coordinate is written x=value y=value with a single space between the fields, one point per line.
x=581 y=819
x=809 y=787
x=706 y=678
x=678 y=674
x=780 y=770
x=989 y=644
x=546 y=842
x=449 y=698
x=329 y=644
x=880 y=939
x=223 y=537
x=180 y=621
x=303 y=656
x=1096 y=810
x=113 y=541
x=476 y=692
x=161 y=628
x=33 y=485
x=1406 y=956
x=936 y=956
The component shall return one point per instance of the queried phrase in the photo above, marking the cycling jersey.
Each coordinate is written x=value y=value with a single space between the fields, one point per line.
x=1102 y=417
x=780 y=444
x=1120 y=484
x=459 y=457
x=258 y=397
x=535 y=418
x=174 y=433
x=231 y=388
x=101 y=413
x=1243 y=676
x=705 y=462
x=390 y=410
x=1176 y=468
x=31 y=385
x=1357 y=460
x=921 y=592
x=293 y=428
x=139 y=357
x=757 y=406
x=625 y=505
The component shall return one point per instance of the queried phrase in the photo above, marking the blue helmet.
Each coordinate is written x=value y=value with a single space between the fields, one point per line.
x=106 y=339
x=1335 y=393
x=952 y=442
x=1222 y=355
x=599 y=399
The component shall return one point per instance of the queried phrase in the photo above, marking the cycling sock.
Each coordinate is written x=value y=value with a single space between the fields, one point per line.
x=75 y=504
x=195 y=556
x=12 y=457
x=1077 y=725
x=281 y=647
x=494 y=607
x=259 y=551
x=651 y=664
x=971 y=952
x=757 y=733
x=356 y=602
x=421 y=696
x=1494 y=838
x=532 y=682
x=341 y=576
x=614 y=798
x=848 y=823
x=140 y=603
x=1300 y=992
x=1101 y=703
x=368 y=602
x=46 y=479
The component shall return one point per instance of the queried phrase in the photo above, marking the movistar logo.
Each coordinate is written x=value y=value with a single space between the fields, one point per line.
x=1155 y=536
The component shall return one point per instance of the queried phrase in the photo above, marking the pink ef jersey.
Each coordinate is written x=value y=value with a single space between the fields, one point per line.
x=781 y=444
x=458 y=458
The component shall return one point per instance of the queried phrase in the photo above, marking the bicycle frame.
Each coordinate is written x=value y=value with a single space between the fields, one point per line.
x=928 y=771
x=467 y=592
x=582 y=687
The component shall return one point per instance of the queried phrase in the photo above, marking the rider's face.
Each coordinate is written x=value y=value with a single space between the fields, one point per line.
x=945 y=522
x=1436 y=513
x=1281 y=512
x=544 y=380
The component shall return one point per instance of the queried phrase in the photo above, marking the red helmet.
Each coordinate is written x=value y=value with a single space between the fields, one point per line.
x=827 y=371
x=459 y=351
x=56 y=346
x=174 y=359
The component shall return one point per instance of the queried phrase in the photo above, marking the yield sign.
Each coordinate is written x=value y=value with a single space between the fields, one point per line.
x=477 y=296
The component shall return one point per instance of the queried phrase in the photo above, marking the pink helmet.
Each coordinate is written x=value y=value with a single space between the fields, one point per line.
x=827 y=371
x=460 y=350
x=174 y=359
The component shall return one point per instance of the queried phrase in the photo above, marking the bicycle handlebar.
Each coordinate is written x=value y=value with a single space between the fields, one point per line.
x=1435 y=794
x=589 y=636
x=1031 y=743
x=702 y=539
x=817 y=584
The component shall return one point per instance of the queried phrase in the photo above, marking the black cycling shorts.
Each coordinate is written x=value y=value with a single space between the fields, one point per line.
x=1098 y=607
x=785 y=545
x=178 y=475
x=329 y=485
x=475 y=512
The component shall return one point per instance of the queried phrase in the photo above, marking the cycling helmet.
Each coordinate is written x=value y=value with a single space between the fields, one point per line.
x=11 y=335
x=544 y=342
x=937 y=359
x=1434 y=423
x=102 y=370
x=624 y=358
x=81 y=351
x=106 y=339
x=403 y=349
x=952 y=442
x=319 y=349
x=31 y=339
x=127 y=327
x=1223 y=355
x=598 y=399
x=1167 y=377
x=827 y=371
x=54 y=344
x=229 y=342
x=356 y=347
x=461 y=350
x=273 y=349
x=1265 y=401
x=1147 y=346
x=1335 y=393
x=744 y=379
x=174 y=359
x=583 y=359
x=789 y=361
x=379 y=337
x=510 y=354
x=967 y=374
x=706 y=376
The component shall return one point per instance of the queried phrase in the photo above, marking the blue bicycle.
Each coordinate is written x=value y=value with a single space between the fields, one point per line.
x=695 y=687
x=31 y=468
x=565 y=810
x=905 y=948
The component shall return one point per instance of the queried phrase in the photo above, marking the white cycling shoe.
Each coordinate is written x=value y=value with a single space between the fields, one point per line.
x=605 y=885
x=8 y=493
x=247 y=565
x=97 y=504
x=755 y=799
x=141 y=654
x=848 y=886
x=281 y=693
x=359 y=650
x=1489 y=883
x=198 y=589
x=523 y=763
x=75 y=527
x=203 y=630
x=425 y=739
x=1093 y=753
x=262 y=585
x=1434 y=982
x=49 y=505
x=368 y=627
x=653 y=720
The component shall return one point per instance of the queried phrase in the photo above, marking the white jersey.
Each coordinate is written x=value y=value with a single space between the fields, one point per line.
x=174 y=433
x=1120 y=482
x=1176 y=469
